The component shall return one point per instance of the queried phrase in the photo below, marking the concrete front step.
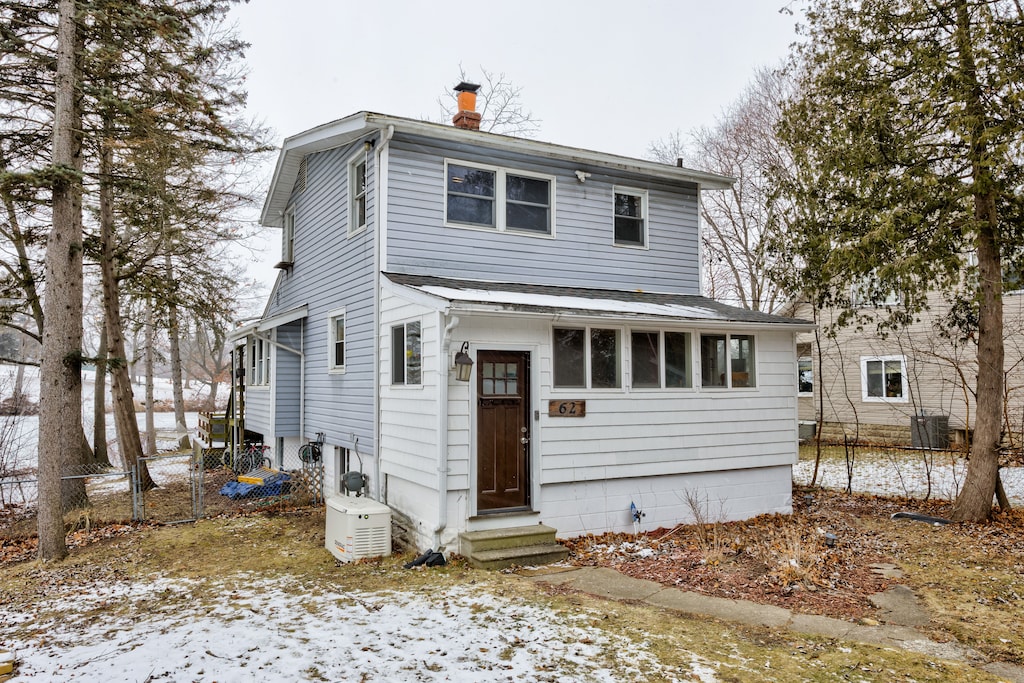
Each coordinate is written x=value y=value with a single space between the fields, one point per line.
x=529 y=545
x=522 y=556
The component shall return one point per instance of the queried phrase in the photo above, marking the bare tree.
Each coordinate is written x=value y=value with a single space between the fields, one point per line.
x=500 y=103
x=738 y=222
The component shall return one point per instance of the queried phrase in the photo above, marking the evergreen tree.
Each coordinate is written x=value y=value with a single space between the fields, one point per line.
x=906 y=146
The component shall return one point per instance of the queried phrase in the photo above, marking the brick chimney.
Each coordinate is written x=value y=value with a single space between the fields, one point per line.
x=467 y=116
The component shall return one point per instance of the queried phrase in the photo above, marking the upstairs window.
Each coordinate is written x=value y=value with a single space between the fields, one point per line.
x=287 y=240
x=510 y=201
x=357 y=193
x=630 y=218
x=727 y=360
x=406 y=354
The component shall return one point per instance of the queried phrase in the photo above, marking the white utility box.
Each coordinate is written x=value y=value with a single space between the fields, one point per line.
x=357 y=528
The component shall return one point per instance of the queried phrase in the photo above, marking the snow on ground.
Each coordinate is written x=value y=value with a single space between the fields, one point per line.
x=877 y=473
x=272 y=630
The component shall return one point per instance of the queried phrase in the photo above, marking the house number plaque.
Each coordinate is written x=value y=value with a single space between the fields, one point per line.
x=567 y=408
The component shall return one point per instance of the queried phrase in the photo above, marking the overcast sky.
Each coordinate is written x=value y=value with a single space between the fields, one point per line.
x=604 y=75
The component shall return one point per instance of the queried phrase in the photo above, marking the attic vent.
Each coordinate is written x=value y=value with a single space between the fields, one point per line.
x=300 y=180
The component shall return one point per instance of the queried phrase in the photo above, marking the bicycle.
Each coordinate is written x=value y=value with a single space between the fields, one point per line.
x=251 y=457
x=313 y=451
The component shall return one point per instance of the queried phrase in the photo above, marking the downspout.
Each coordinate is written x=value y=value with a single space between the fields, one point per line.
x=379 y=259
x=442 y=427
x=302 y=380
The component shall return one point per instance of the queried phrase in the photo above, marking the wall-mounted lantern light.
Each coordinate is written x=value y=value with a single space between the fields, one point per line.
x=463 y=364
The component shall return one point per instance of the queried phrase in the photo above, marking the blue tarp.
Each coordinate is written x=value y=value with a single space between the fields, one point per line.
x=237 y=489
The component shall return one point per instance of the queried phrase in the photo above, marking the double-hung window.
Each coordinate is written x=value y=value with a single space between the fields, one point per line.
x=660 y=359
x=406 y=354
x=884 y=379
x=287 y=240
x=336 y=341
x=357 y=194
x=727 y=360
x=587 y=357
x=500 y=199
x=630 y=218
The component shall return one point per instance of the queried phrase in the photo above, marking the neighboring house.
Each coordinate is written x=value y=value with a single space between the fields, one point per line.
x=568 y=279
x=912 y=386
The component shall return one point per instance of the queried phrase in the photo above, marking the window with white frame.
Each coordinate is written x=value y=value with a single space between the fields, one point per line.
x=504 y=200
x=630 y=218
x=288 y=238
x=867 y=294
x=587 y=357
x=804 y=370
x=336 y=341
x=406 y=354
x=884 y=379
x=727 y=360
x=357 y=194
x=660 y=359
x=259 y=362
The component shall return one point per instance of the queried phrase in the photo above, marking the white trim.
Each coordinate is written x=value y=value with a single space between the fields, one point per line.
x=500 y=199
x=904 y=396
x=288 y=236
x=282 y=318
x=333 y=315
x=644 y=215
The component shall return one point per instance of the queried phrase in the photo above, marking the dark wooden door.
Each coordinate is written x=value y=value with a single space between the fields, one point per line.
x=503 y=430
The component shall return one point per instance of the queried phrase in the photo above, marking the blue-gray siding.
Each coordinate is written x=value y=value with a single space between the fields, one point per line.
x=286 y=380
x=331 y=271
x=582 y=252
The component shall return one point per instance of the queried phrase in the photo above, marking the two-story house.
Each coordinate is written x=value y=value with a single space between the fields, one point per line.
x=562 y=284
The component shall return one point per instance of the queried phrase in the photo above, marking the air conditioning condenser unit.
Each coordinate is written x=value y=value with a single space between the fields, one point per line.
x=357 y=528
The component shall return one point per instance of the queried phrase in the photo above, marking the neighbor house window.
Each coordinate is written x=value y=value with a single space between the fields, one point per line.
x=630 y=218
x=867 y=294
x=727 y=360
x=884 y=379
x=406 y=354
x=357 y=193
x=511 y=201
x=587 y=357
x=336 y=341
x=259 y=362
x=648 y=370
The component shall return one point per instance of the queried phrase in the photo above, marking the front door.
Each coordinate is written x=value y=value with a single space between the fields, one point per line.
x=503 y=430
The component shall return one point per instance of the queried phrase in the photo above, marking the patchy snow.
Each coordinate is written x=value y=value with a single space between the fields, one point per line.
x=275 y=630
x=908 y=475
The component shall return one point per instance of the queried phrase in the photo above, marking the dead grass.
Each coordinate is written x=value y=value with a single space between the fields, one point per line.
x=218 y=552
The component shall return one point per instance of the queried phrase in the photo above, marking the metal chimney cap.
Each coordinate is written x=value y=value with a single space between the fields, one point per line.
x=467 y=87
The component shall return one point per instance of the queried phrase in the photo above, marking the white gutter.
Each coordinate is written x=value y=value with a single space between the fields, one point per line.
x=442 y=426
x=379 y=258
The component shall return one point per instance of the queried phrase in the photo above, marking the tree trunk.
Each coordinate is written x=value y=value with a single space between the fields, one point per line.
x=147 y=359
x=121 y=384
x=173 y=331
x=99 y=406
x=60 y=371
x=975 y=500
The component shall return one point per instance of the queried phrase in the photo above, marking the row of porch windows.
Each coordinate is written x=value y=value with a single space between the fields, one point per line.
x=592 y=358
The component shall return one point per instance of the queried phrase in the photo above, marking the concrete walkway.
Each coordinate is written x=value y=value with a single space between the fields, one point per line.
x=898 y=606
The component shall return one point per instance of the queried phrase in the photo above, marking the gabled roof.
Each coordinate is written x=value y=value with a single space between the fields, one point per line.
x=350 y=129
x=546 y=299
